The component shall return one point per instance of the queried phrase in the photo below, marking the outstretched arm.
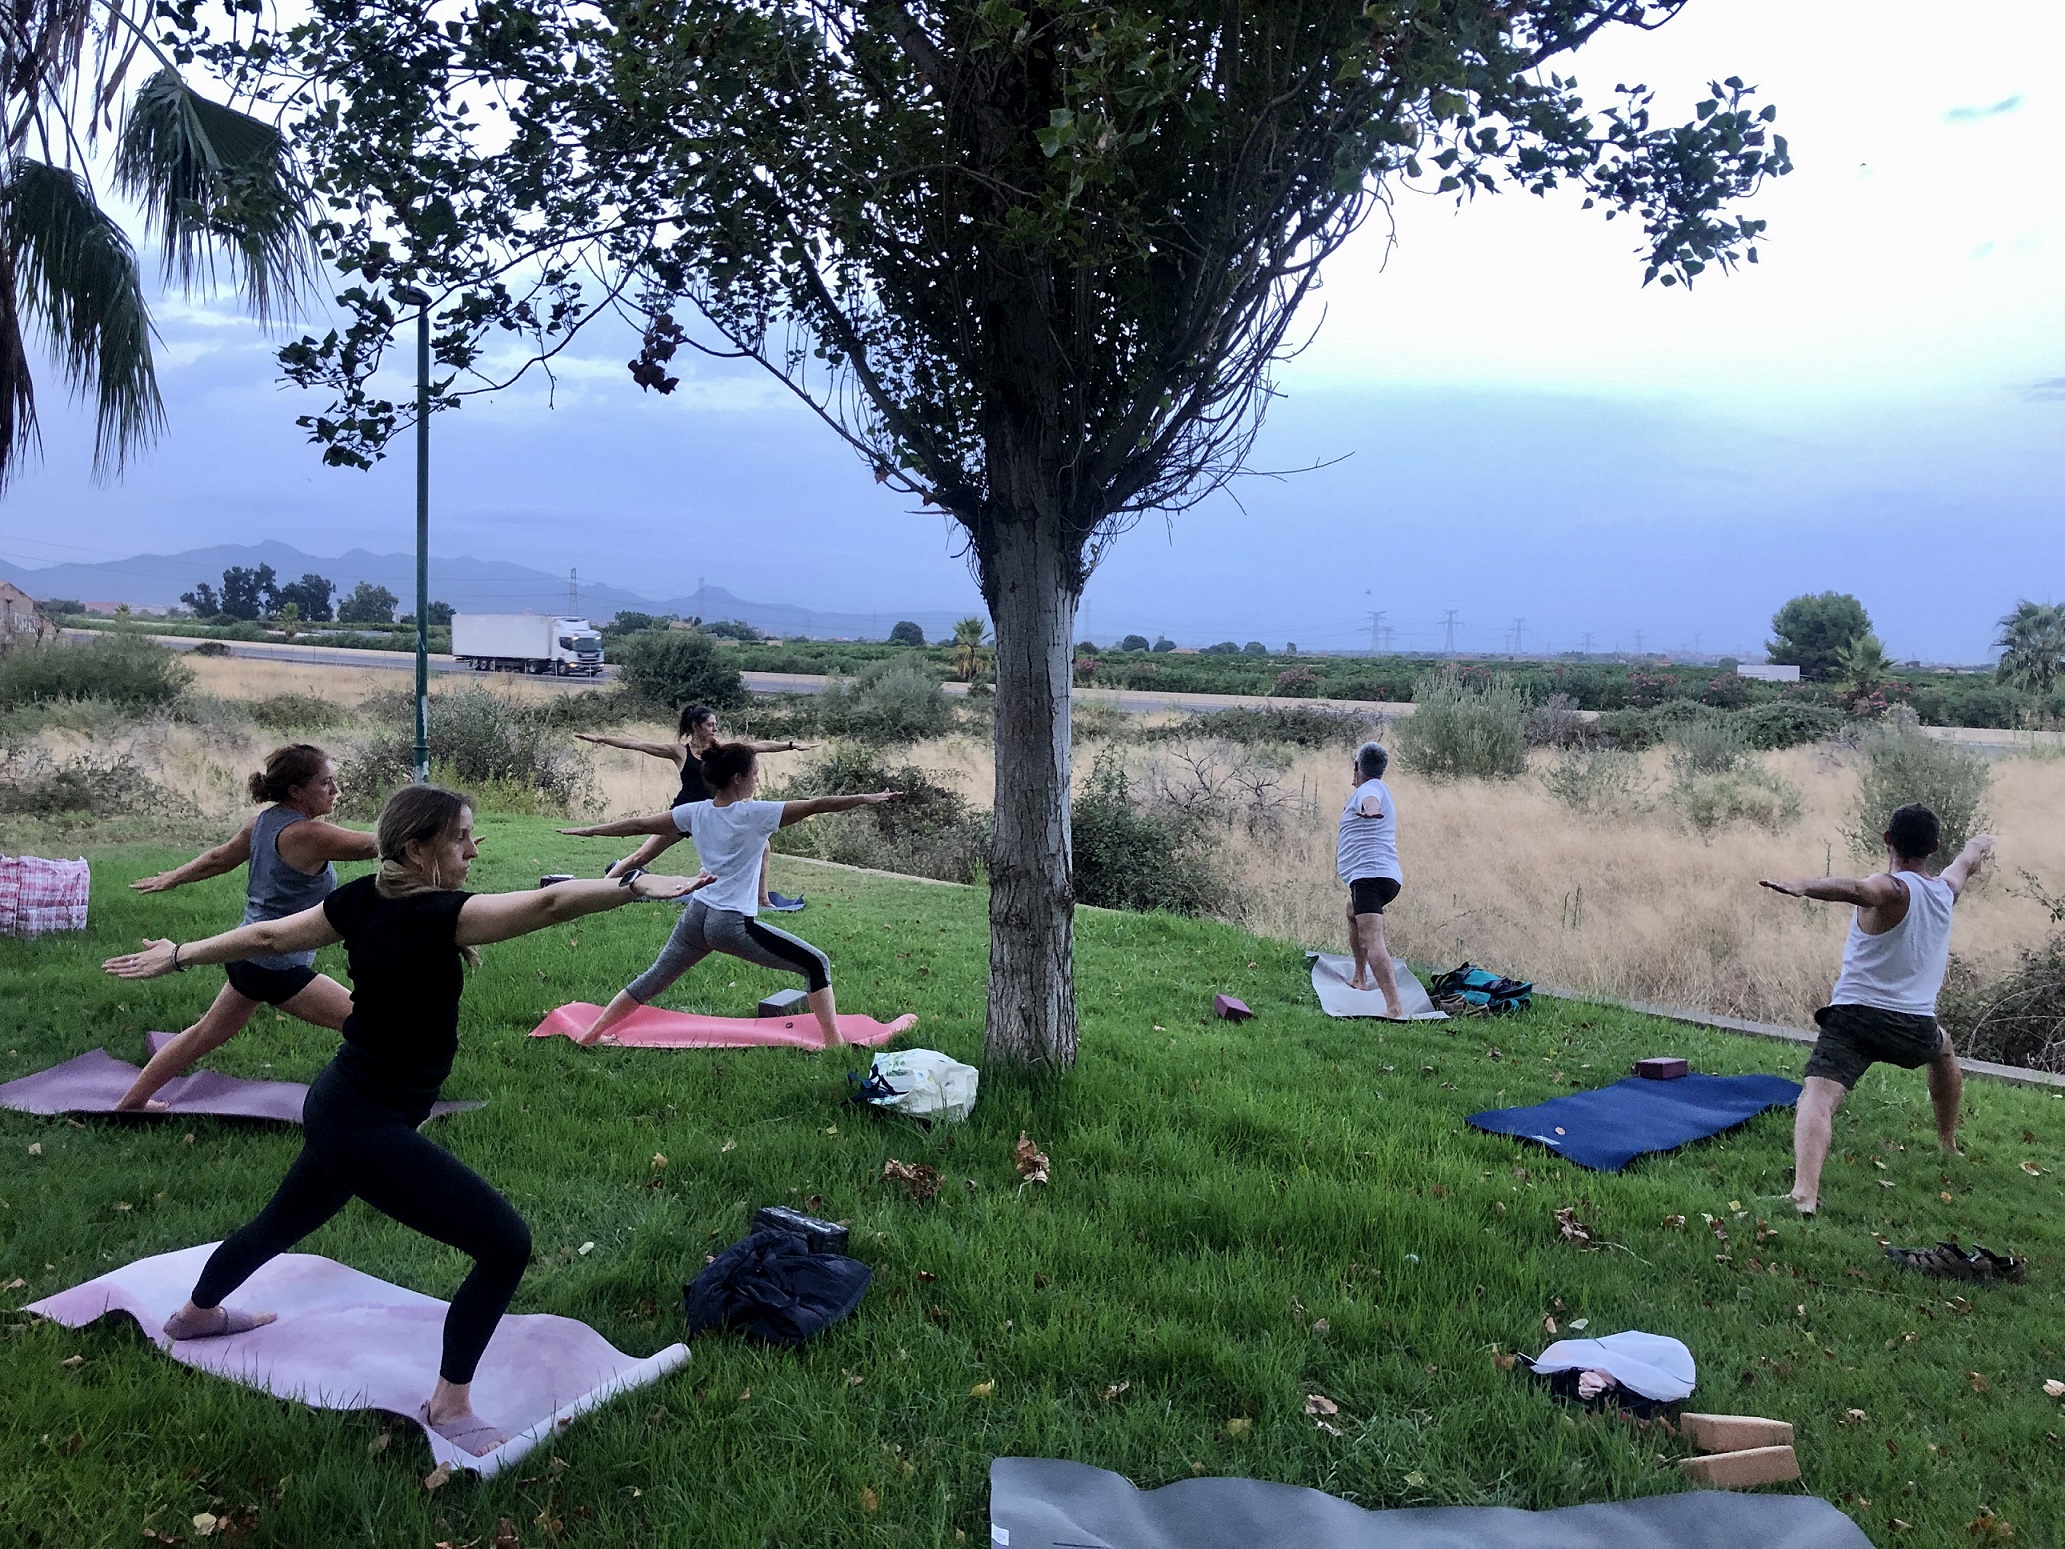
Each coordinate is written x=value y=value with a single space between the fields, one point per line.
x=797 y=811
x=311 y=844
x=670 y=751
x=225 y=857
x=489 y=917
x=1865 y=892
x=781 y=747
x=645 y=854
x=651 y=823
x=302 y=932
x=1960 y=872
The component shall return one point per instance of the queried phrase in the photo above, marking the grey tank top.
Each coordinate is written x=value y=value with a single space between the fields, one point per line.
x=275 y=889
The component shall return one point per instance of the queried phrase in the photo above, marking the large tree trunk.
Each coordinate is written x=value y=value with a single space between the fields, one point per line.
x=1031 y=578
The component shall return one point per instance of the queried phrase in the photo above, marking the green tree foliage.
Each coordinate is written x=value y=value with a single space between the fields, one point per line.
x=1128 y=857
x=311 y=594
x=1223 y=648
x=214 y=185
x=628 y=622
x=124 y=670
x=1862 y=668
x=906 y=633
x=669 y=668
x=2032 y=646
x=1036 y=266
x=969 y=634
x=1902 y=763
x=1164 y=643
x=440 y=615
x=1465 y=727
x=1813 y=629
x=732 y=629
x=1255 y=648
x=366 y=603
x=1134 y=643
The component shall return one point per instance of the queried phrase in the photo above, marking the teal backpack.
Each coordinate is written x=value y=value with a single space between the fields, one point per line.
x=1483 y=991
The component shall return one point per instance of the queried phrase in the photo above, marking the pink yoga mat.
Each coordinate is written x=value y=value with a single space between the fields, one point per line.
x=347 y=1341
x=653 y=1027
x=95 y=1081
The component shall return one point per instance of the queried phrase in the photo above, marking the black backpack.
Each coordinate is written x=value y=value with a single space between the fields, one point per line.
x=773 y=1287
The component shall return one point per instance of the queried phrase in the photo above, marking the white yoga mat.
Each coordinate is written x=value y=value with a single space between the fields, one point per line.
x=347 y=1341
x=1330 y=976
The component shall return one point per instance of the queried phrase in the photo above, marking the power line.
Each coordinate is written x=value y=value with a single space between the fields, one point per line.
x=1449 y=637
x=1376 y=631
x=1519 y=629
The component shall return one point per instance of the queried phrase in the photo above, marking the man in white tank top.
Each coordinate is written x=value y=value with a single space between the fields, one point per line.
x=1883 y=1007
x=1366 y=857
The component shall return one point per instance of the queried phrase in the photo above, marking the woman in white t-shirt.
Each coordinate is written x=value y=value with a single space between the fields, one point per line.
x=730 y=830
x=1366 y=856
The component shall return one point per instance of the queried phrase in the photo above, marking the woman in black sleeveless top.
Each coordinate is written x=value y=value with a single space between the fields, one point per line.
x=696 y=733
x=408 y=932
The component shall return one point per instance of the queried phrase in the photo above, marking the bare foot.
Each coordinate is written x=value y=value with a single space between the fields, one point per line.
x=1948 y=1143
x=465 y=1430
x=148 y=1105
x=1806 y=1207
x=192 y=1322
x=1361 y=982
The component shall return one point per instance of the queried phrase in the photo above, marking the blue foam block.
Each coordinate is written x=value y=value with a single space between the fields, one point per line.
x=1608 y=1128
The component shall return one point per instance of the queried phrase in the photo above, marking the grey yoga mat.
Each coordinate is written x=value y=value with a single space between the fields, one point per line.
x=94 y=1082
x=1330 y=976
x=1047 y=1503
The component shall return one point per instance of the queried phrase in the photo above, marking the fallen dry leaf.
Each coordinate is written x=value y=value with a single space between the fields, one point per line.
x=1321 y=1327
x=1548 y=1323
x=1854 y=1417
x=1675 y=1223
x=35 y=1148
x=505 y=1535
x=1116 y=1392
x=918 y=1180
x=1979 y=1383
x=2032 y=1169
x=378 y=1444
x=586 y=1248
x=1944 y=1195
x=729 y=1145
x=14 y=1285
x=869 y=1501
x=2055 y=1388
x=73 y=1361
x=1320 y=1404
x=983 y=1389
x=1029 y=1159
x=1572 y=1229
x=438 y=1477
x=204 y=1523
x=1239 y=1427
x=659 y=1162
x=1505 y=1360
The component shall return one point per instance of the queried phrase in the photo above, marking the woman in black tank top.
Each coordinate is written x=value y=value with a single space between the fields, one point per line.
x=408 y=931
x=695 y=734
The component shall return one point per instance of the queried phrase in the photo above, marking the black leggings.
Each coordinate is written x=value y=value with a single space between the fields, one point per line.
x=357 y=1144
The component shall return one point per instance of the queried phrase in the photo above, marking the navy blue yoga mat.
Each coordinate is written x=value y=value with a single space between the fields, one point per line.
x=1607 y=1129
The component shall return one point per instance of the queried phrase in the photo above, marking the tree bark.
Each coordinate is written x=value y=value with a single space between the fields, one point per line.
x=1031 y=578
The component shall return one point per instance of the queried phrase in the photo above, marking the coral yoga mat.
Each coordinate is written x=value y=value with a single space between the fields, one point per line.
x=654 y=1027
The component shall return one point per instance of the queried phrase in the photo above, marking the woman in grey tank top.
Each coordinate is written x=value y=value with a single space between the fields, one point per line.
x=288 y=849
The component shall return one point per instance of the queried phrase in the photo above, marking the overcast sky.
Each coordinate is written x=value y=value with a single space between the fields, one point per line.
x=1517 y=429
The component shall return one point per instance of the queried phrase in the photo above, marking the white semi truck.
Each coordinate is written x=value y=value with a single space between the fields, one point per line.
x=527 y=642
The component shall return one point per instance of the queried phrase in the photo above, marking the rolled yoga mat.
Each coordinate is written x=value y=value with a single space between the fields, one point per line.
x=348 y=1341
x=1048 y=1503
x=654 y=1027
x=1330 y=976
x=95 y=1081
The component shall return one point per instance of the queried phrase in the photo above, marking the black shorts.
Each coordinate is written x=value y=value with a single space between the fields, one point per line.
x=1369 y=895
x=269 y=986
x=1854 y=1038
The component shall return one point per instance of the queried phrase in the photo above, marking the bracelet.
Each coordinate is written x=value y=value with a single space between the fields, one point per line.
x=625 y=879
x=177 y=966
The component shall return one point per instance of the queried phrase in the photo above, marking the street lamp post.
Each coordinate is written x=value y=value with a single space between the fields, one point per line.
x=420 y=300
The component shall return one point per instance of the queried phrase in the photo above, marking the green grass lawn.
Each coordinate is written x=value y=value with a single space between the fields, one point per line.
x=1239 y=1216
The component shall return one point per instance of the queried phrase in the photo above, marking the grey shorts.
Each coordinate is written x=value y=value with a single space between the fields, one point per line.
x=702 y=930
x=1854 y=1038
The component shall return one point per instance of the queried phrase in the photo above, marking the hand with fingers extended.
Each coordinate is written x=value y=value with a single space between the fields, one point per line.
x=1790 y=889
x=156 y=958
x=652 y=885
x=161 y=883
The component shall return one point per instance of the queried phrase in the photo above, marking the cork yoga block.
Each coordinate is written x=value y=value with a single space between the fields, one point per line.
x=1734 y=1433
x=1743 y=1470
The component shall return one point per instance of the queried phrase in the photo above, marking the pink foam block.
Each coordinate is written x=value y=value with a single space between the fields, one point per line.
x=348 y=1341
x=1229 y=1009
x=654 y=1027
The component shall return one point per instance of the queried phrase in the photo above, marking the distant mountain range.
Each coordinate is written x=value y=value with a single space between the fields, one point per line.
x=469 y=585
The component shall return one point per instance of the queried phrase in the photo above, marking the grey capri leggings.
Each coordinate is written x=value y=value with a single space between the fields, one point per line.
x=702 y=930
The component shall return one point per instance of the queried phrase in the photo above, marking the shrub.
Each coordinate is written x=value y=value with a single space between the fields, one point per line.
x=296 y=712
x=510 y=758
x=889 y=702
x=930 y=831
x=126 y=670
x=1254 y=648
x=1788 y=723
x=1133 y=643
x=1712 y=746
x=1223 y=648
x=81 y=789
x=1749 y=793
x=1164 y=643
x=1637 y=728
x=1459 y=729
x=1596 y=781
x=1902 y=764
x=2018 y=1019
x=1557 y=723
x=1297 y=683
x=209 y=648
x=1127 y=857
x=906 y=633
x=674 y=667
x=1296 y=726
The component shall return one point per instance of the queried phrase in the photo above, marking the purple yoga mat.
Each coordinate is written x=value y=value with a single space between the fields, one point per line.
x=347 y=1341
x=94 y=1082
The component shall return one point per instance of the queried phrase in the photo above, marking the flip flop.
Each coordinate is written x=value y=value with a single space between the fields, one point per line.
x=235 y=1320
x=472 y=1435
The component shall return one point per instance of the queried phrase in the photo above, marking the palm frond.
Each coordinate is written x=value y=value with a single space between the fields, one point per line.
x=76 y=275
x=216 y=183
x=17 y=387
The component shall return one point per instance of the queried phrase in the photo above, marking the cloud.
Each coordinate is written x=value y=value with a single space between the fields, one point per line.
x=2049 y=390
x=1973 y=115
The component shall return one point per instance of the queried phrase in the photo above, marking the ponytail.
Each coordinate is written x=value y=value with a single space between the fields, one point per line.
x=285 y=768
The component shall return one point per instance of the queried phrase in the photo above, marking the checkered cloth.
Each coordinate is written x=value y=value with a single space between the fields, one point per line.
x=38 y=895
